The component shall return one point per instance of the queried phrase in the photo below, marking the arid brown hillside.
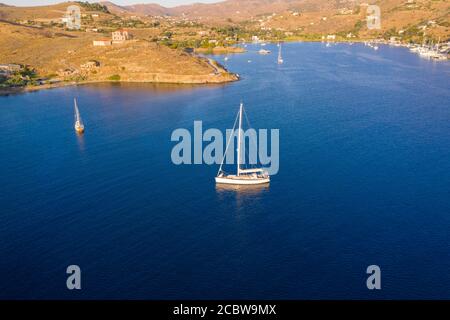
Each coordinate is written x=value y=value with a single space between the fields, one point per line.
x=34 y=13
x=398 y=17
x=138 y=10
x=315 y=16
x=62 y=55
x=304 y=16
x=235 y=9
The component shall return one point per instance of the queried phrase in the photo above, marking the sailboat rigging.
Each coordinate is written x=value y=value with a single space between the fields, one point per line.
x=242 y=176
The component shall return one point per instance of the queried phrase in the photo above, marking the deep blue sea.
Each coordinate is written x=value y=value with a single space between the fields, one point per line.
x=364 y=179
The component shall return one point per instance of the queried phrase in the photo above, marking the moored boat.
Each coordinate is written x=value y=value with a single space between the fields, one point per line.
x=250 y=176
x=79 y=126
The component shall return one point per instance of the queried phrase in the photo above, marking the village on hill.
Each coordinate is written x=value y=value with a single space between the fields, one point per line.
x=39 y=46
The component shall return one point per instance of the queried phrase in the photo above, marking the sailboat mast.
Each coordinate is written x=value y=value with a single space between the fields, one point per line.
x=77 y=113
x=239 y=141
x=280 y=59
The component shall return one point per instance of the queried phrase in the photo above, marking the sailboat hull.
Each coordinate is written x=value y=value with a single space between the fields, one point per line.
x=241 y=180
x=79 y=128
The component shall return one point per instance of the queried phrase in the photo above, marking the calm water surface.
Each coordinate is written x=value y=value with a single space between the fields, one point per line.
x=364 y=179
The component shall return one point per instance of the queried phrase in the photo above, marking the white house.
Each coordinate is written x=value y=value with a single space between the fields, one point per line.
x=9 y=68
x=102 y=42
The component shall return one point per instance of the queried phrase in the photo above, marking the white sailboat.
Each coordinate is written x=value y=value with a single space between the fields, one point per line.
x=263 y=51
x=243 y=176
x=79 y=126
x=280 y=59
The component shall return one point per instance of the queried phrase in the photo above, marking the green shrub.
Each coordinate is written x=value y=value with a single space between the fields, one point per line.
x=114 y=77
x=93 y=6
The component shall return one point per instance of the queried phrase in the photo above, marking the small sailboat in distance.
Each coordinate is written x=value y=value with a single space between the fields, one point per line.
x=79 y=126
x=243 y=176
x=280 y=59
x=263 y=51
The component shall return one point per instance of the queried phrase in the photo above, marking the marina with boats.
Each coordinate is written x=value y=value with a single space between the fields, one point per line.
x=427 y=49
x=430 y=51
x=439 y=51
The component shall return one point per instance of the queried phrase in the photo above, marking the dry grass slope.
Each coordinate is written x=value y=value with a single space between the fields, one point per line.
x=51 y=52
